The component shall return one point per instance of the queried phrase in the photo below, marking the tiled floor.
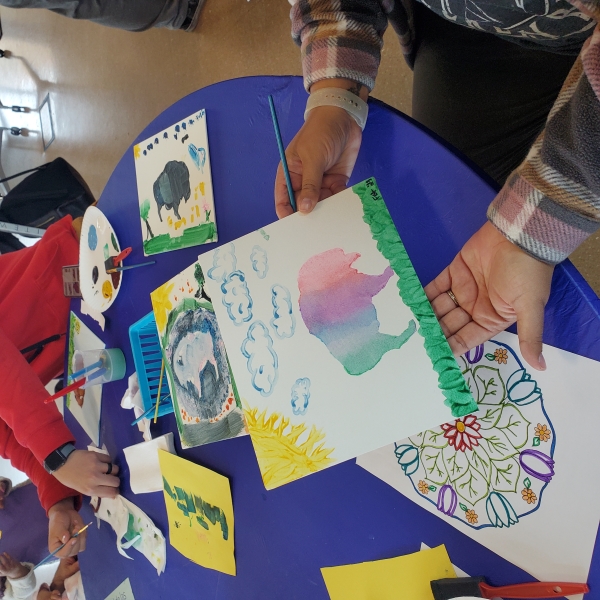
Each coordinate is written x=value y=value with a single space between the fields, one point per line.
x=106 y=84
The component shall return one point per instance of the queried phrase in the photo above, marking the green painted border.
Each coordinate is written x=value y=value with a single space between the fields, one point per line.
x=192 y=236
x=450 y=379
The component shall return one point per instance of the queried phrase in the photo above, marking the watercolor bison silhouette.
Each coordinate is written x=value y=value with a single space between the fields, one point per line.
x=171 y=186
x=336 y=304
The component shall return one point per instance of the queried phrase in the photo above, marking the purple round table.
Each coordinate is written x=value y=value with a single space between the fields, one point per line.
x=343 y=514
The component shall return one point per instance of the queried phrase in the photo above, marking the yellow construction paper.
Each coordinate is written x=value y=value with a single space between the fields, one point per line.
x=407 y=577
x=200 y=512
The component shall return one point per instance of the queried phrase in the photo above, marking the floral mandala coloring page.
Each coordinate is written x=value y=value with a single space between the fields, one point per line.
x=489 y=468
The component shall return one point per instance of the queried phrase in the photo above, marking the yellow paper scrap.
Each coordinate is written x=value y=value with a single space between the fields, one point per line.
x=407 y=577
x=200 y=512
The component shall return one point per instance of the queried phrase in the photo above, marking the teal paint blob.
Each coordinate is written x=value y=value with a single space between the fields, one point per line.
x=92 y=238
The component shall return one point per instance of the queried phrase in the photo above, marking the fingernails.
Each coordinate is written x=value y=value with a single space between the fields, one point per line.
x=305 y=205
x=65 y=538
x=542 y=362
x=73 y=542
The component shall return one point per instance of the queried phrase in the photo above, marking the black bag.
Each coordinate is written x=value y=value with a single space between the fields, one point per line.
x=51 y=192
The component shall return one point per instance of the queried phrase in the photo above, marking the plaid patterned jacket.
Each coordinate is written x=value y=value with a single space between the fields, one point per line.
x=551 y=203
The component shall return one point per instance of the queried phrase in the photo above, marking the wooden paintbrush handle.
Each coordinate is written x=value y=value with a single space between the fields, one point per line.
x=534 y=590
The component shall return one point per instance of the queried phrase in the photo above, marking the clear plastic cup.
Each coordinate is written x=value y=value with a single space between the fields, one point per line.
x=110 y=360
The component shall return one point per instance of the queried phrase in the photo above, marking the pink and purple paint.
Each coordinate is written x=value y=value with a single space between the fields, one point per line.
x=336 y=303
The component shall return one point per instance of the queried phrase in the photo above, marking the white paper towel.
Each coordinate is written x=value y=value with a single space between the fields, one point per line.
x=144 y=468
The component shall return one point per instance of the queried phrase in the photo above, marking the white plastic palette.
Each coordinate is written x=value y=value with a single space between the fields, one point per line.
x=98 y=243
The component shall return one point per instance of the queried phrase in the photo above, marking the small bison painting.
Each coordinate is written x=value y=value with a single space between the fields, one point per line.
x=171 y=186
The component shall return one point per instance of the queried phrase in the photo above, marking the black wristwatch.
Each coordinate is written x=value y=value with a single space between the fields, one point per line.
x=55 y=460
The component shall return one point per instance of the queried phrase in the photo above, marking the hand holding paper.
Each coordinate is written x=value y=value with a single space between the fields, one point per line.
x=496 y=284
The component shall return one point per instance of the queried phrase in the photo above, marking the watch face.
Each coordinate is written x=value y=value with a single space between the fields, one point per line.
x=54 y=461
x=58 y=458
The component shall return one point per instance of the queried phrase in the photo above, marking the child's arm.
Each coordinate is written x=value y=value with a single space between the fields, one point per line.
x=11 y=568
x=21 y=576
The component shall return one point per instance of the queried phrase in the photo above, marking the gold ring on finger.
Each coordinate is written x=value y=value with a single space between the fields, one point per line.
x=453 y=297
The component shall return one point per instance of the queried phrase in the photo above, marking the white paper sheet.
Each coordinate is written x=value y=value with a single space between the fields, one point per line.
x=95 y=314
x=88 y=415
x=554 y=537
x=325 y=354
x=132 y=398
x=74 y=587
x=123 y=592
x=144 y=468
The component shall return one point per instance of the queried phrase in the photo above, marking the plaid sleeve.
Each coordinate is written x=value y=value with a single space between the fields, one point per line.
x=340 y=38
x=551 y=203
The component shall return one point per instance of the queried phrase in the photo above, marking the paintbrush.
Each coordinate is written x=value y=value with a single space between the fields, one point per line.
x=146 y=414
x=45 y=560
x=284 y=164
x=119 y=269
x=85 y=370
x=446 y=589
x=162 y=372
x=113 y=261
x=75 y=386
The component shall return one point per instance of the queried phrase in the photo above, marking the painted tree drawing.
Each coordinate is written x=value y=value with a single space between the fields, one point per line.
x=144 y=214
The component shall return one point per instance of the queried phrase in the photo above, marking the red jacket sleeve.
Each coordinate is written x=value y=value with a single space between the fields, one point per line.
x=50 y=490
x=36 y=426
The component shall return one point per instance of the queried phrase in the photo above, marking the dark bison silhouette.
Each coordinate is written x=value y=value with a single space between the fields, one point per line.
x=171 y=186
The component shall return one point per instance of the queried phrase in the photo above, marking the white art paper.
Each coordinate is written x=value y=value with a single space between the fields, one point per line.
x=520 y=478
x=74 y=587
x=175 y=187
x=132 y=398
x=325 y=354
x=144 y=468
x=123 y=592
x=85 y=405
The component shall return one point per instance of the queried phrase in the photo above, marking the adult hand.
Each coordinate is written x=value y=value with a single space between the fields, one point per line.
x=63 y=522
x=86 y=472
x=495 y=284
x=320 y=159
x=9 y=567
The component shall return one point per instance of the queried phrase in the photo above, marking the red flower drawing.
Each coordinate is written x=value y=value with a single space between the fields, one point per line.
x=463 y=433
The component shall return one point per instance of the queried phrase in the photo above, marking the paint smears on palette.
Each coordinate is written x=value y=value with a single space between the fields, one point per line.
x=174 y=185
x=98 y=243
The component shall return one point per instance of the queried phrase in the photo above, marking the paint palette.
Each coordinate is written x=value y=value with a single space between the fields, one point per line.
x=98 y=243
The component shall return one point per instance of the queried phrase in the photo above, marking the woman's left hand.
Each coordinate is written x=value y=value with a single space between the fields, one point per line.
x=495 y=284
